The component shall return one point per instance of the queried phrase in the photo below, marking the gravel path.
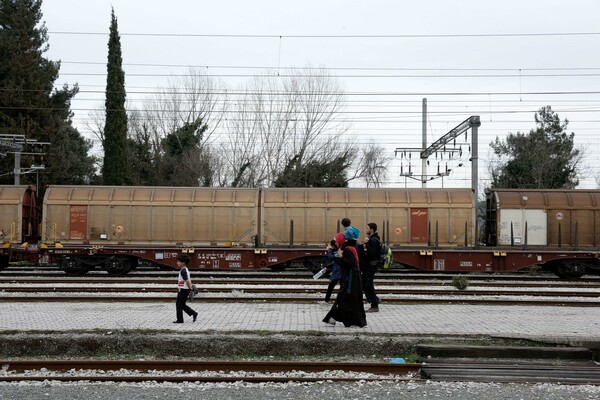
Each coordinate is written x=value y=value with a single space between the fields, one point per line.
x=322 y=390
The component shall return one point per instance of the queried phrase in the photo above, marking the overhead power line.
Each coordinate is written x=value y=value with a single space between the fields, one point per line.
x=284 y=75
x=325 y=36
x=308 y=68
x=185 y=91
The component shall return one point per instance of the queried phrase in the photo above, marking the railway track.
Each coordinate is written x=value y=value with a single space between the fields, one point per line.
x=290 y=290
x=281 y=299
x=299 y=289
x=285 y=371
x=303 y=280
x=17 y=272
x=203 y=371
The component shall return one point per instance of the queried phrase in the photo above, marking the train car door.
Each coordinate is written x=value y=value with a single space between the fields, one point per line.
x=418 y=225
x=78 y=225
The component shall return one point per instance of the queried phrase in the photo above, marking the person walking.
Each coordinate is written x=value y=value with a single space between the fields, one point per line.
x=184 y=284
x=373 y=259
x=336 y=273
x=348 y=307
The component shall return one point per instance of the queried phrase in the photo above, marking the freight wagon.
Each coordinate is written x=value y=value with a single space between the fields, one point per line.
x=18 y=219
x=553 y=219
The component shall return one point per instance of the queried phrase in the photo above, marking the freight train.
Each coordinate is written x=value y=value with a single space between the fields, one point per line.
x=114 y=228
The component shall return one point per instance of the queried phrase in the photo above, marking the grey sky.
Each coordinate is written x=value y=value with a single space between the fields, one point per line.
x=421 y=66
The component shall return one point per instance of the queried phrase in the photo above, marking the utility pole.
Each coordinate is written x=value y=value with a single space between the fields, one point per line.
x=17 y=143
x=424 y=143
x=439 y=145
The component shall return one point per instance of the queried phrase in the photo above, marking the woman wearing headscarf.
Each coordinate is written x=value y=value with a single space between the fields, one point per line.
x=348 y=307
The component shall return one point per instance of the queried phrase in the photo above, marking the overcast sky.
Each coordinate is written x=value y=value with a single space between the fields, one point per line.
x=500 y=60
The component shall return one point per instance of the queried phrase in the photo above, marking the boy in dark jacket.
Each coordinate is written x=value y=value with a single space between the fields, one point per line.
x=334 y=263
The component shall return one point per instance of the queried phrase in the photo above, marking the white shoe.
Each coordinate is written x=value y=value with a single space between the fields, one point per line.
x=330 y=321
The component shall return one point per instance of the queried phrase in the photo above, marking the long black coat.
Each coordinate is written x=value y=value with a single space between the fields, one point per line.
x=348 y=307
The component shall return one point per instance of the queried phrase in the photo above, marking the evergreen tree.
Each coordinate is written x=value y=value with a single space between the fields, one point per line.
x=543 y=159
x=315 y=173
x=76 y=167
x=29 y=104
x=142 y=171
x=114 y=169
x=183 y=162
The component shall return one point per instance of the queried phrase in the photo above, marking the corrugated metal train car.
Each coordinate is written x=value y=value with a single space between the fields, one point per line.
x=551 y=218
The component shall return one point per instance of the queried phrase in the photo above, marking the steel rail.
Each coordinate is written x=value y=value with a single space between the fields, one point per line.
x=393 y=274
x=303 y=281
x=145 y=370
x=140 y=370
x=315 y=290
x=204 y=379
x=256 y=299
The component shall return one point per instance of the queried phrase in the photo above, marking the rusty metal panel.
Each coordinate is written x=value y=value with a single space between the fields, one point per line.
x=78 y=218
x=577 y=227
x=418 y=225
x=582 y=227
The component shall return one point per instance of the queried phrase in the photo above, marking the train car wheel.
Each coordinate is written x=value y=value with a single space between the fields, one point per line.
x=118 y=266
x=278 y=267
x=569 y=270
x=73 y=266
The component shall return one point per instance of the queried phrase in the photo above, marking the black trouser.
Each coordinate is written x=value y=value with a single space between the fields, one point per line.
x=330 y=288
x=182 y=297
x=368 y=275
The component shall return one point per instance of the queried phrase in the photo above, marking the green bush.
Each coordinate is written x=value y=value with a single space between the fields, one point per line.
x=460 y=282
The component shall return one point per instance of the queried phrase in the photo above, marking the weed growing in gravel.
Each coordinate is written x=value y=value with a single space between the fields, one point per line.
x=460 y=282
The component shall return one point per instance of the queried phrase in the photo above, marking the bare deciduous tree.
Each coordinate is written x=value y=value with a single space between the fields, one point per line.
x=372 y=164
x=282 y=119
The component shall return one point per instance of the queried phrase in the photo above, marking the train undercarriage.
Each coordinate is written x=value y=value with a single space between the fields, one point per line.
x=119 y=260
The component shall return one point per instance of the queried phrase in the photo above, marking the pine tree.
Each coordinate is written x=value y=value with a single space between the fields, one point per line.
x=29 y=104
x=545 y=158
x=114 y=170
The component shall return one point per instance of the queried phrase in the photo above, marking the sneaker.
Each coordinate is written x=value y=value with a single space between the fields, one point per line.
x=324 y=302
x=178 y=322
x=195 y=316
x=373 y=309
x=330 y=321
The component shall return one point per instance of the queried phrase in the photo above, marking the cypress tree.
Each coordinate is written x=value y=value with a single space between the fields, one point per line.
x=115 y=129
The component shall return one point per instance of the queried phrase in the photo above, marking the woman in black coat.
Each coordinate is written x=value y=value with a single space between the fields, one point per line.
x=348 y=307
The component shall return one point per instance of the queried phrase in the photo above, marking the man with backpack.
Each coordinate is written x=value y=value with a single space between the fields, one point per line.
x=373 y=248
